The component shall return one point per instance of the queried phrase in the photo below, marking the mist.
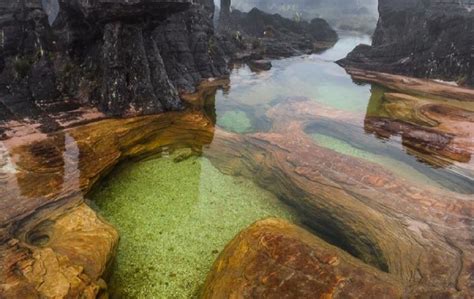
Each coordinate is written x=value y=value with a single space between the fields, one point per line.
x=353 y=15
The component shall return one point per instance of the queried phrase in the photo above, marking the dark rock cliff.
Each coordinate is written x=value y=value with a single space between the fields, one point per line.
x=273 y=36
x=124 y=57
x=421 y=38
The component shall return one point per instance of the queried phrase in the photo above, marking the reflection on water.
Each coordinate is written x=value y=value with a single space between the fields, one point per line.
x=174 y=217
x=315 y=76
x=33 y=174
x=242 y=108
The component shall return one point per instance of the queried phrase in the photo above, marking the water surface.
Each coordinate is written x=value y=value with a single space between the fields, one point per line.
x=176 y=214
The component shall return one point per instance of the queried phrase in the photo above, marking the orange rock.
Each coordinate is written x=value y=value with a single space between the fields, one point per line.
x=275 y=259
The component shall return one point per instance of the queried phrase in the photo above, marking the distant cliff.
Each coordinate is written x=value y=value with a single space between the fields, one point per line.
x=356 y=15
x=122 y=57
x=259 y=35
x=421 y=38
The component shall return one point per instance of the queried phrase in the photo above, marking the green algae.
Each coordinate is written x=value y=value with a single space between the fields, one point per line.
x=401 y=169
x=235 y=121
x=174 y=219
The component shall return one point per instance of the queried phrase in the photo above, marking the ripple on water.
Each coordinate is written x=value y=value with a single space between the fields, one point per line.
x=174 y=219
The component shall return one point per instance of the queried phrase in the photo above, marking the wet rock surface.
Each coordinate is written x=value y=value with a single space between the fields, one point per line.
x=275 y=259
x=260 y=65
x=52 y=245
x=427 y=39
x=64 y=256
x=419 y=234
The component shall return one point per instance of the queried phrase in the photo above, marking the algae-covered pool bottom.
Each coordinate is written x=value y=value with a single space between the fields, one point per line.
x=174 y=218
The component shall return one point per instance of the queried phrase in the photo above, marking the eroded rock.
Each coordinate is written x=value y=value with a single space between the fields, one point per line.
x=53 y=244
x=256 y=35
x=275 y=259
x=419 y=233
x=421 y=38
x=260 y=65
x=64 y=256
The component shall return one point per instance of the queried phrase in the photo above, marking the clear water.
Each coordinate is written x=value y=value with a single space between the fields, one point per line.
x=175 y=217
x=313 y=76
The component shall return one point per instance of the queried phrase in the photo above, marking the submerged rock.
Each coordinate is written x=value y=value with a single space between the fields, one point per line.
x=418 y=233
x=275 y=259
x=421 y=38
x=51 y=244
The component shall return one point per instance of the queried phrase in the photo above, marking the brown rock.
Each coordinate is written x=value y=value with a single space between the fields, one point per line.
x=62 y=257
x=421 y=87
x=421 y=234
x=275 y=259
x=53 y=244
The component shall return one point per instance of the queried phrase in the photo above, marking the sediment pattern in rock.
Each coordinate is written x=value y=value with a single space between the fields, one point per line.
x=53 y=245
x=434 y=120
x=63 y=256
x=421 y=38
x=420 y=234
x=275 y=259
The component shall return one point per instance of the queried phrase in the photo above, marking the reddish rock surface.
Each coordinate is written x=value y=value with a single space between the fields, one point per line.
x=275 y=259
x=421 y=234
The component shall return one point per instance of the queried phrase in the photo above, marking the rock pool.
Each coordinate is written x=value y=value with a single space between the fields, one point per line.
x=174 y=218
x=176 y=212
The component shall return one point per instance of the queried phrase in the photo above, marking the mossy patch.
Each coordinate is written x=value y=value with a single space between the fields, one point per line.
x=174 y=219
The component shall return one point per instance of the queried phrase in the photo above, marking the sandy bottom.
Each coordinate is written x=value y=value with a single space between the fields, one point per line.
x=174 y=219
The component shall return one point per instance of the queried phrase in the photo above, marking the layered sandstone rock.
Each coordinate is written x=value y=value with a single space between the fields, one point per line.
x=52 y=245
x=428 y=39
x=419 y=233
x=275 y=259
x=64 y=256
x=433 y=119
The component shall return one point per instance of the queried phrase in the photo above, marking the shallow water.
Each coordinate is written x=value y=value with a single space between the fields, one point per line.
x=175 y=217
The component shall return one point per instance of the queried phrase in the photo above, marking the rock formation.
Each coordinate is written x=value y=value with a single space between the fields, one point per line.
x=124 y=58
x=419 y=234
x=421 y=38
x=257 y=34
x=356 y=15
x=52 y=245
x=275 y=259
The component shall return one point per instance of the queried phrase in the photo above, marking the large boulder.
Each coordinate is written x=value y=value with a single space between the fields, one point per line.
x=275 y=259
x=421 y=38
